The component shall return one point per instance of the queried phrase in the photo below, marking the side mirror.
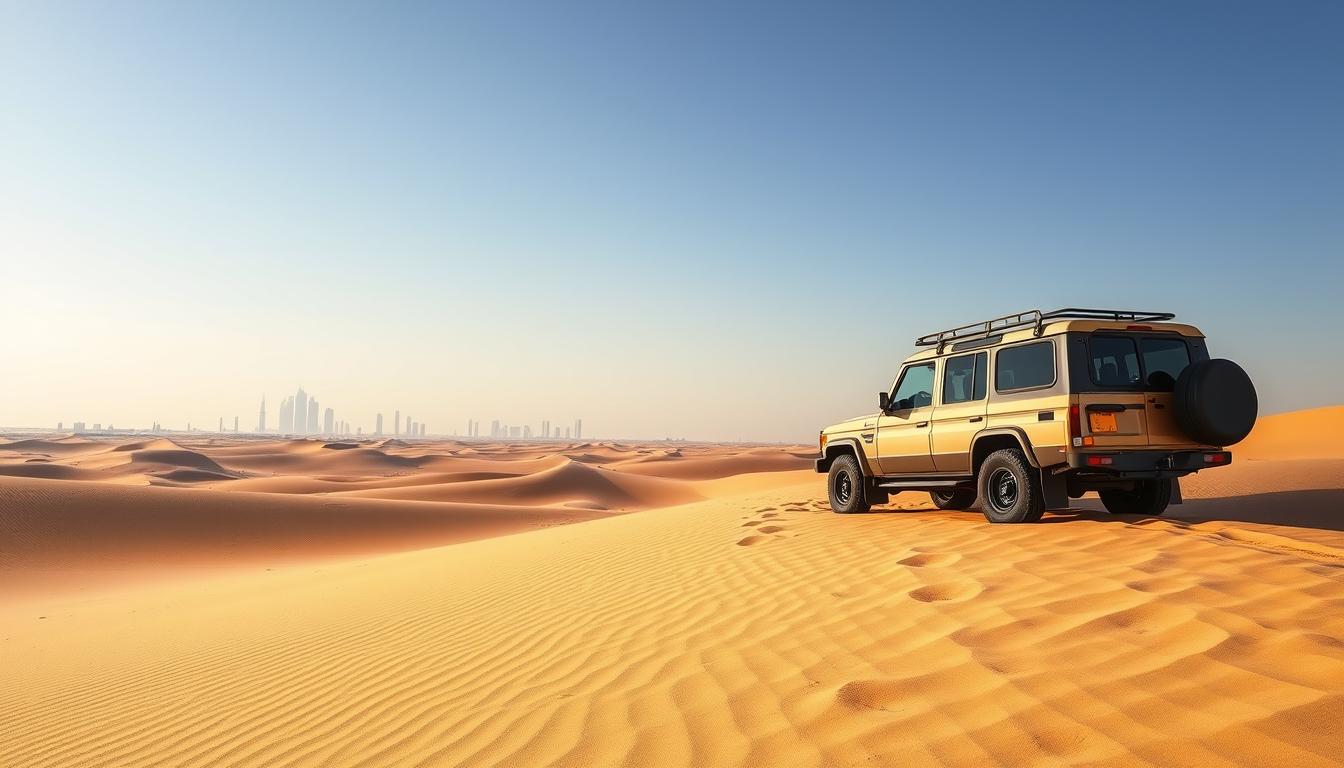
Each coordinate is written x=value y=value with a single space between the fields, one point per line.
x=905 y=403
x=884 y=401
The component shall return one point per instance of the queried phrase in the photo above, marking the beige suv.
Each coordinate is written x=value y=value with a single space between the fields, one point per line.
x=1023 y=412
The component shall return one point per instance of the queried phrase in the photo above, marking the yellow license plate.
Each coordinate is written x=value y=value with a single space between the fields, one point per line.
x=1102 y=422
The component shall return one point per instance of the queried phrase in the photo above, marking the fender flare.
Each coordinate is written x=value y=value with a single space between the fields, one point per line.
x=859 y=453
x=1018 y=433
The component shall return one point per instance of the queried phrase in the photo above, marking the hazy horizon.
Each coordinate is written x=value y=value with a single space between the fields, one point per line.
x=700 y=221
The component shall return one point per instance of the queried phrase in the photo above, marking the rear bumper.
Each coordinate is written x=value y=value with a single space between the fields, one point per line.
x=1157 y=464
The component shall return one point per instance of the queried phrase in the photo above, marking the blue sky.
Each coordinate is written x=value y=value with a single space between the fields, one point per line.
x=702 y=220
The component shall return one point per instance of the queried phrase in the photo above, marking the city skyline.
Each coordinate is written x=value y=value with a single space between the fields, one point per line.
x=289 y=424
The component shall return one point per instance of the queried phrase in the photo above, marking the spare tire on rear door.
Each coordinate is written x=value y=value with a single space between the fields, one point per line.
x=1215 y=402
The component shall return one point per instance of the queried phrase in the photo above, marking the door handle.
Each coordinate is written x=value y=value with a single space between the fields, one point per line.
x=921 y=424
x=976 y=418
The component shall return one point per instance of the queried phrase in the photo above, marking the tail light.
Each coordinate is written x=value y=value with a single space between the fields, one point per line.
x=1075 y=425
x=1215 y=458
x=1098 y=461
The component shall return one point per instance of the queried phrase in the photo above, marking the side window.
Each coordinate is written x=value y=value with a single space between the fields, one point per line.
x=981 y=375
x=1026 y=367
x=915 y=387
x=1164 y=359
x=1114 y=361
x=964 y=378
x=958 y=379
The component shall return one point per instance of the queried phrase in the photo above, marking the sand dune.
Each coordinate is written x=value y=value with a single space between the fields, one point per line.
x=567 y=482
x=736 y=622
x=55 y=537
x=245 y=503
x=1311 y=434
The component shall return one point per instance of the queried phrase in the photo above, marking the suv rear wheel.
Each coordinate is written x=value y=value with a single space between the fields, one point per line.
x=1149 y=497
x=955 y=498
x=845 y=484
x=1010 y=490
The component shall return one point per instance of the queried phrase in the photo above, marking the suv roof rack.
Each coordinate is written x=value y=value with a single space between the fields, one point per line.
x=1037 y=318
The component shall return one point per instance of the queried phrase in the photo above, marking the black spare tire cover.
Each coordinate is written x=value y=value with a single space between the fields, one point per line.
x=1215 y=402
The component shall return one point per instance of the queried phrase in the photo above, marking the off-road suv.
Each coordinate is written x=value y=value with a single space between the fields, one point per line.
x=1023 y=412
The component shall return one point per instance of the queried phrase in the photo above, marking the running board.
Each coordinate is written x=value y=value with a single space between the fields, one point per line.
x=920 y=484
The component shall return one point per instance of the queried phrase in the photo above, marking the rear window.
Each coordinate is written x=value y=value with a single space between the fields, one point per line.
x=1163 y=361
x=1115 y=361
x=1144 y=362
x=1025 y=367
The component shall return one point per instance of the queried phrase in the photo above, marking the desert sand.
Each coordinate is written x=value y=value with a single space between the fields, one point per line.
x=248 y=602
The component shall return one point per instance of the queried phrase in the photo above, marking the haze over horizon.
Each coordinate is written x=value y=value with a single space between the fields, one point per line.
x=701 y=221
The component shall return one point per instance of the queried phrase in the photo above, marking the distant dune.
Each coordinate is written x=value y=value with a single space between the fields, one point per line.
x=281 y=603
x=1312 y=434
x=221 y=504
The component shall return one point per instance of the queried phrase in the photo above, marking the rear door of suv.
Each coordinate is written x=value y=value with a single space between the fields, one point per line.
x=960 y=412
x=1163 y=359
x=1125 y=400
x=1111 y=402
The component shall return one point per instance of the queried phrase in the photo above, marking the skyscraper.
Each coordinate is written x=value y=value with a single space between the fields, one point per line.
x=235 y=423
x=396 y=424
x=328 y=421
x=422 y=430
x=312 y=416
x=578 y=429
x=261 y=416
x=378 y=426
x=300 y=411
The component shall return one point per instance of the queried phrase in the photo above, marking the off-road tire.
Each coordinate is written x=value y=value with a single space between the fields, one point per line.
x=955 y=498
x=846 y=487
x=1149 y=497
x=1010 y=488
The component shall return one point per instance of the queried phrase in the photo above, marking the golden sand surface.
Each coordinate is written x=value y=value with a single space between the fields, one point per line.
x=250 y=602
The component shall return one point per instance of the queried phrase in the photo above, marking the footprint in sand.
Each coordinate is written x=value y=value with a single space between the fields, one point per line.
x=931 y=559
x=752 y=523
x=763 y=533
x=947 y=592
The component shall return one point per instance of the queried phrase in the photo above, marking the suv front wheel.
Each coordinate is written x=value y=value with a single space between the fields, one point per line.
x=845 y=486
x=1149 y=497
x=1010 y=491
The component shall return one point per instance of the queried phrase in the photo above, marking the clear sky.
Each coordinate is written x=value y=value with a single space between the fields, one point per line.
x=702 y=220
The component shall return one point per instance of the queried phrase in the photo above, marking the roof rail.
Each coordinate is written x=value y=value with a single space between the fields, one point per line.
x=1036 y=318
